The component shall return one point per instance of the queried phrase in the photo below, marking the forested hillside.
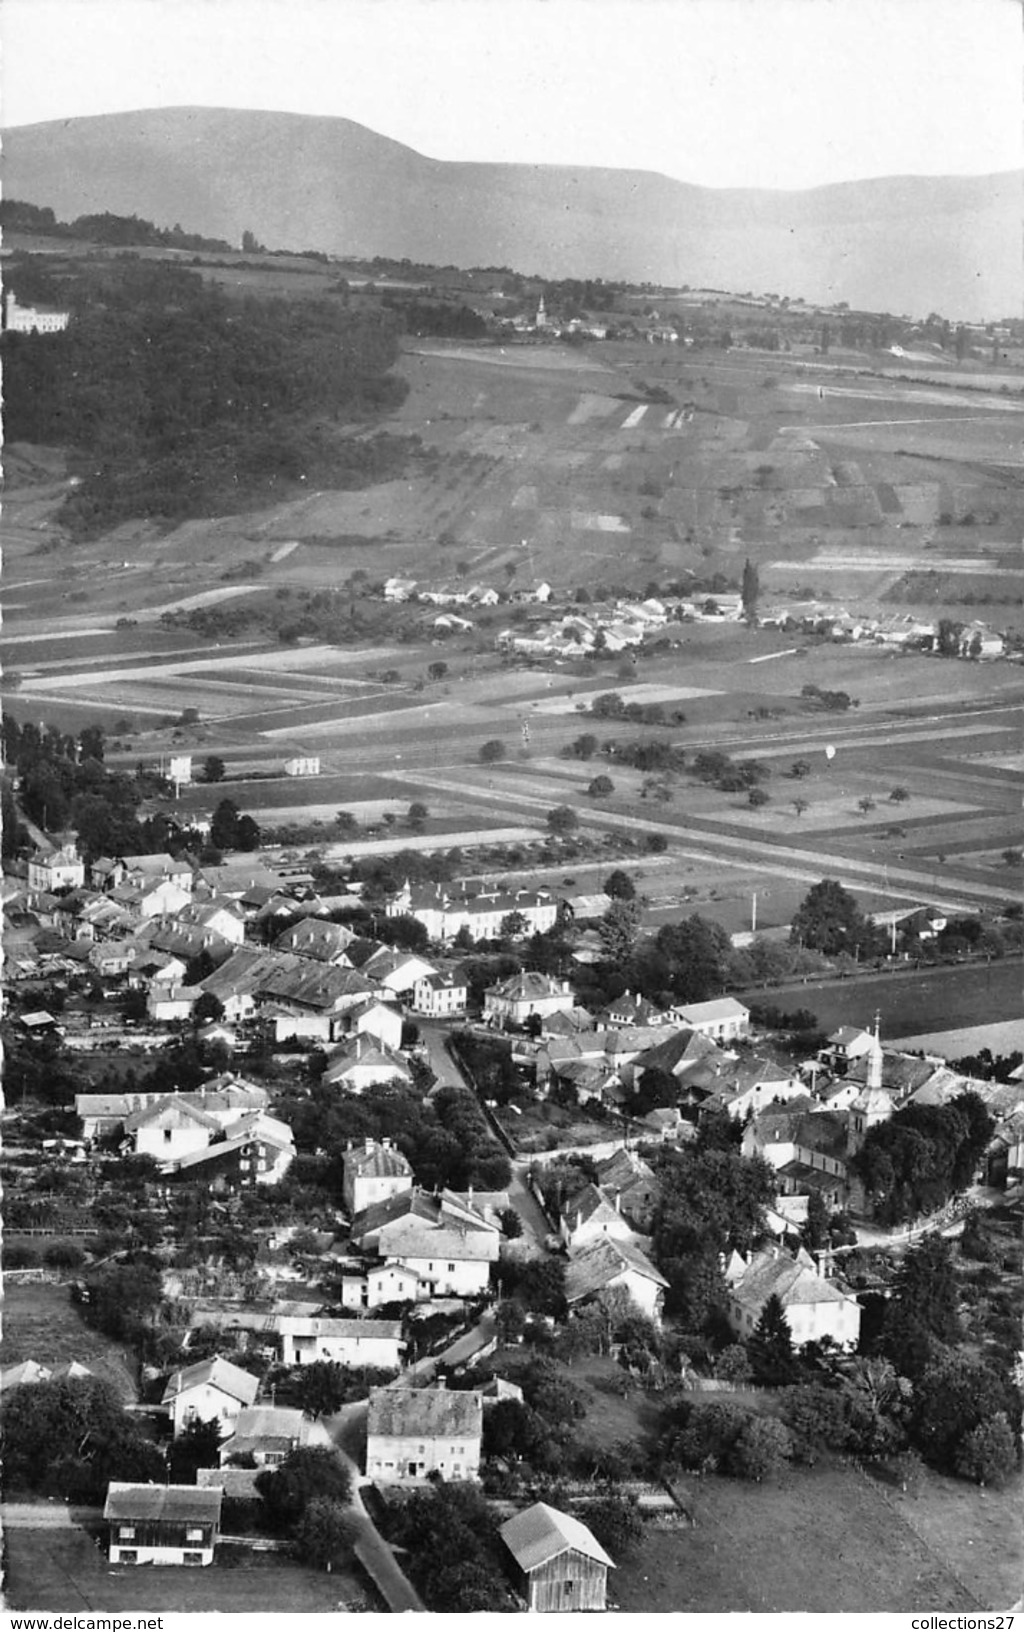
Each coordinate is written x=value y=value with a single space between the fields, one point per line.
x=180 y=401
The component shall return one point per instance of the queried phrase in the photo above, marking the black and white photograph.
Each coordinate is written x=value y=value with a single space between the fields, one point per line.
x=513 y=868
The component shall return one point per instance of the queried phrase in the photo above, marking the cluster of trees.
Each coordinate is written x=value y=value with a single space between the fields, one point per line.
x=457 y=1557
x=449 y=319
x=716 y=768
x=713 y=1200
x=182 y=401
x=833 y=702
x=70 y=1437
x=653 y=755
x=123 y=231
x=829 y=920
x=610 y=706
x=724 y=1437
x=445 y=1139
x=64 y=782
x=924 y=1154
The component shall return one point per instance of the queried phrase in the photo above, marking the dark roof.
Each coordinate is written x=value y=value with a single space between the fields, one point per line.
x=171 y=1503
x=430 y=1412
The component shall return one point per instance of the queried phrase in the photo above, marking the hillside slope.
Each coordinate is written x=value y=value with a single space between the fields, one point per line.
x=903 y=244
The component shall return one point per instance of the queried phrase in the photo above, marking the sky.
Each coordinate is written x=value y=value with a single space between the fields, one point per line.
x=724 y=93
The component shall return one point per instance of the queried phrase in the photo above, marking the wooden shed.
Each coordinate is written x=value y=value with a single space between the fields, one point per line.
x=559 y=1565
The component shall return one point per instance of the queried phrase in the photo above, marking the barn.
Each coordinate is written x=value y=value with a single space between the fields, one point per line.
x=559 y=1565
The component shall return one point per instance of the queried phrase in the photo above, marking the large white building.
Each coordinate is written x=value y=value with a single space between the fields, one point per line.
x=814 y=1306
x=443 y=912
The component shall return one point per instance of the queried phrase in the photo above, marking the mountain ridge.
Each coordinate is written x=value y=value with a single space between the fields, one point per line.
x=896 y=243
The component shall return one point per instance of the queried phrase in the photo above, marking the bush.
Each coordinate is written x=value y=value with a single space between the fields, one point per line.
x=988 y=1454
x=21 y=1256
x=761 y=1448
x=63 y=1255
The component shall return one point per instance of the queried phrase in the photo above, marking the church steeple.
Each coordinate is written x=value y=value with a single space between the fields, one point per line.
x=875 y=1060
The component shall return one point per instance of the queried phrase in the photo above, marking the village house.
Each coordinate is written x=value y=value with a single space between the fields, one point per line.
x=317 y=938
x=224 y=918
x=223 y=1099
x=396 y=971
x=814 y=1306
x=161 y=1524
x=437 y=996
x=211 y=1390
x=607 y=1263
x=559 y=1565
x=60 y=869
x=361 y=1062
x=633 y=1186
x=256 y=1150
x=723 y=1019
x=518 y=999
x=373 y=1173
x=451 y=1260
x=173 y=1127
x=590 y=1216
x=751 y=1088
x=304 y=1339
x=806 y=1145
x=269 y=1433
x=414 y=1432
x=373 y=1017
x=379 y=1284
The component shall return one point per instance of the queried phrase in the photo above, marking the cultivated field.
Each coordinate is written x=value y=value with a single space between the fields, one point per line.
x=41 y=1323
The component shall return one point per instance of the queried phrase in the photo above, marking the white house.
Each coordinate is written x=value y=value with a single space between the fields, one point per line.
x=210 y=1390
x=608 y=1263
x=372 y=1173
x=521 y=996
x=306 y=1338
x=396 y=971
x=373 y=1017
x=814 y=1306
x=389 y=1282
x=303 y=765
x=362 y=1062
x=451 y=1262
x=437 y=996
x=723 y=1019
x=592 y=1216
x=413 y=1432
x=62 y=869
x=173 y=1127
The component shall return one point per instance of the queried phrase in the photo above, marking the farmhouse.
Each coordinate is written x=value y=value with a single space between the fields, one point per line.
x=414 y=1432
x=559 y=1565
x=161 y=1524
x=382 y=1283
x=210 y=1390
x=814 y=1307
x=590 y=1216
x=316 y=938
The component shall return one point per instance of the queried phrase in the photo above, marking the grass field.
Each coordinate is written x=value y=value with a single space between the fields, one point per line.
x=41 y=1323
x=829 y=1539
x=931 y=1000
x=65 y=1571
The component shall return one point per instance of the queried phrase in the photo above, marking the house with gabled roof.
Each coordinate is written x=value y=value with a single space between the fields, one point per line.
x=814 y=1306
x=377 y=1284
x=174 y=1127
x=362 y=1061
x=317 y=938
x=210 y=1390
x=723 y=1019
x=559 y=1565
x=591 y=1216
x=412 y=1433
x=438 y=995
x=304 y=1339
x=255 y=1150
x=270 y=1433
x=607 y=1263
x=397 y=971
x=632 y=1185
x=161 y=1524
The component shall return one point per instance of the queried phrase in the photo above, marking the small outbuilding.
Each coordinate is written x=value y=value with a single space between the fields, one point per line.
x=559 y=1564
x=162 y=1524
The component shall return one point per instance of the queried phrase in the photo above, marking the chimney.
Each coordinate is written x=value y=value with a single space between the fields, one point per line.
x=367 y=1146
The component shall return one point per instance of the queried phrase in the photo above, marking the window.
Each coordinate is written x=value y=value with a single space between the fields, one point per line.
x=192 y=1558
x=126 y=1555
x=168 y=1135
x=127 y=1532
x=451 y=1269
x=194 y=1532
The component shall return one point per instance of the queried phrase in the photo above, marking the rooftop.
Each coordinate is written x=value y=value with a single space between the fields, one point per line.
x=540 y=1533
x=174 y=1504
x=432 y=1413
